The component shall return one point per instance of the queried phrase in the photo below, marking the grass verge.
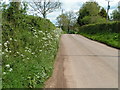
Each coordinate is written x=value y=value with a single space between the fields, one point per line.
x=110 y=39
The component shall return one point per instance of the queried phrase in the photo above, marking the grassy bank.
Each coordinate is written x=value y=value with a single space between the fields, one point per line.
x=29 y=50
x=104 y=33
x=110 y=39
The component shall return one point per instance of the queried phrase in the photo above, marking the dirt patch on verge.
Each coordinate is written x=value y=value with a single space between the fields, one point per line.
x=57 y=80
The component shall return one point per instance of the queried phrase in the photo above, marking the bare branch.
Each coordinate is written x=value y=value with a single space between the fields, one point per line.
x=45 y=7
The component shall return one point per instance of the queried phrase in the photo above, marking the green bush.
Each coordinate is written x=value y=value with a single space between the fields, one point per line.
x=29 y=48
x=100 y=28
x=107 y=33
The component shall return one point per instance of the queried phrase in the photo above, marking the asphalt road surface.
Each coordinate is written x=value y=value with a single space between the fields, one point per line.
x=83 y=63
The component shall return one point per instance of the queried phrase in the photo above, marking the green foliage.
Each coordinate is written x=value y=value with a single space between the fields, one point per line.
x=100 y=28
x=111 y=39
x=103 y=13
x=29 y=49
x=92 y=20
x=91 y=13
x=105 y=32
x=89 y=9
x=66 y=21
x=13 y=11
x=116 y=15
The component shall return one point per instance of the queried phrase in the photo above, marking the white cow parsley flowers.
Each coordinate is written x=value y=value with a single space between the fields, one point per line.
x=8 y=66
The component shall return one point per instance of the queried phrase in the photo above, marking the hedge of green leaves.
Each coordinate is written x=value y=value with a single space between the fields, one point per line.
x=107 y=33
x=100 y=28
x=29 y=47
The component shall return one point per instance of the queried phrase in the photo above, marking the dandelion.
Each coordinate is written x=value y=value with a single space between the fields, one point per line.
x=8 y=66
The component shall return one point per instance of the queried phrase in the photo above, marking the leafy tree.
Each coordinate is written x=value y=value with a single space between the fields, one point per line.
x=90 y=13
x=66 y=20
x=45 y=7
x=103 y=13
x=116 y=15
x=12 y=11
x=62 y=21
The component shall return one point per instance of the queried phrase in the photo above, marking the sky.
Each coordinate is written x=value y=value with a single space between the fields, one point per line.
x=75 y=5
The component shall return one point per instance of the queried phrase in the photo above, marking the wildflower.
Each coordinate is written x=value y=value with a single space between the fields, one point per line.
x=33 y=53
x=27 y=58
x=29 y=50
x=40 y=50
x=10 y=39
x=26 y=47
x=4 y=73
x=15 y=40
x=22 y=55
x=6 y=49
x=17 y=52
x=44 y=38
x=25 y=50
x=8 y=66
x=6 y=56
x=36 y=36
x=5 y=44
x=40 y=31
x=10 y=69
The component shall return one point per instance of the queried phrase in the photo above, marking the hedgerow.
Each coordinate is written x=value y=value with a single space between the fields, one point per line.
x=100 y=28
x=29 y=48
x=107 y=33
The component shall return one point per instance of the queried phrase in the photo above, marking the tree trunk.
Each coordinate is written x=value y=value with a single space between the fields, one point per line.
x=44 y=8
x=44 y=15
